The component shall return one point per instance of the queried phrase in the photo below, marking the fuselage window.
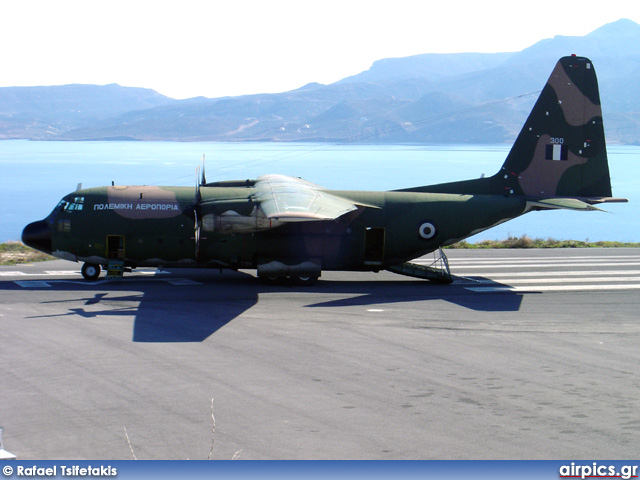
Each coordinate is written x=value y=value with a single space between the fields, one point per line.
x=64 y=225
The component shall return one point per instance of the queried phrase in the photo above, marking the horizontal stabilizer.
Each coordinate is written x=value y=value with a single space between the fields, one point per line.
x=606 y=200
x=561 y=203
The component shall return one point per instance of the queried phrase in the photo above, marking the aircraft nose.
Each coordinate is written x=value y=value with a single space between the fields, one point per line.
x=37 y=235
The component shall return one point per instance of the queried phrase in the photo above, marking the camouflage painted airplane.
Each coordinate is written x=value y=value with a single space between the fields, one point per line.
x=288 y=228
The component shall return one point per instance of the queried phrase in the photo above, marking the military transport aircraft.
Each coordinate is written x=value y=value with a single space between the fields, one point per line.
x=288 y=228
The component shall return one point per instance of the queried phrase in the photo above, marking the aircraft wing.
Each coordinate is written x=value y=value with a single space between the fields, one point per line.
x=290 y=199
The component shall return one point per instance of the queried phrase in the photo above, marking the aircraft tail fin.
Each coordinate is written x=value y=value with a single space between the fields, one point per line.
x=561 y=150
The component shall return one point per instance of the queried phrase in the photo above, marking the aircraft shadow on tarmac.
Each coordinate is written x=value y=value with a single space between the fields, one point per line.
x=195 y=305
x=379 y=292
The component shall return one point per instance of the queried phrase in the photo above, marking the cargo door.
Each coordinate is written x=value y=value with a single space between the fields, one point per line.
x=374 y=246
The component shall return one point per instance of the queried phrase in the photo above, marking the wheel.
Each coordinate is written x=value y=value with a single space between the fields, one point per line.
x=304 y=281
x=90 y=271
x=271 y=280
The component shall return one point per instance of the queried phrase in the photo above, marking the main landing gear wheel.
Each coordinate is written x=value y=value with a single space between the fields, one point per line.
x=90 y=271
x=303 y=281
x=271 y=280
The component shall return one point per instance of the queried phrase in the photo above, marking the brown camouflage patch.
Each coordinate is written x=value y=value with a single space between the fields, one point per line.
x=542 y=176
x=570 y=96
x=141 y=202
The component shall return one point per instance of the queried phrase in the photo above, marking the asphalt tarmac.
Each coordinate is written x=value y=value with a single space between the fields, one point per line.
x=532 y=354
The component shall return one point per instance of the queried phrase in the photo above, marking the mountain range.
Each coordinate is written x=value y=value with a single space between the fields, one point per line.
x=429 y=98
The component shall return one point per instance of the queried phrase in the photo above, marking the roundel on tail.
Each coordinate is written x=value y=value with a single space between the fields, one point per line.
x=427 y=230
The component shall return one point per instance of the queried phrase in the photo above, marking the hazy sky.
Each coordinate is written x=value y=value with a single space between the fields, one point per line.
x=187 y=48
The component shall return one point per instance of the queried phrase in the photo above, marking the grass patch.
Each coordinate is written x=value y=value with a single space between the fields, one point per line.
x=13 y=253
x=527 y=242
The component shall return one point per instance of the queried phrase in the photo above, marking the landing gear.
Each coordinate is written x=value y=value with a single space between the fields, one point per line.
x=303 y=281
x=91 y=271
x=271 y=280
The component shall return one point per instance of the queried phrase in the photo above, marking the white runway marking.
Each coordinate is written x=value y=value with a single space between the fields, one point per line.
x=572 y=258
x=576 y=273
x=545 y=264
x=554 y=288
x=33 y=284
x=48 y=283
x=566 y=280
x=583 y=273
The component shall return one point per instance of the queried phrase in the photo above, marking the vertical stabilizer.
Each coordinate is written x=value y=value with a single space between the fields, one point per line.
x=561 y=149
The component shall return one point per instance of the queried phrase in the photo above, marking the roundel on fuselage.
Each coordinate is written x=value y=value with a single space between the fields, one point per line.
x=427 y=230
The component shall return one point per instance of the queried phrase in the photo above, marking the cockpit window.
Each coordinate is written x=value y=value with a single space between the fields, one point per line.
x=77 y=204
x=71 y=204
x=62 y=206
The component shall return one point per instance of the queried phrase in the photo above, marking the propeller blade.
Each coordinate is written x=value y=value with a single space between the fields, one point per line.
x=195 y=208
x=203 y=180
x=198 y=197
x=196 y=229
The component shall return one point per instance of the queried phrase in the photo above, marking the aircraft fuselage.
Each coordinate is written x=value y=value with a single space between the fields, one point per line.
x=148 y=226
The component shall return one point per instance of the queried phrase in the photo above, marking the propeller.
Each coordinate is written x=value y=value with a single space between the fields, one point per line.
x=198 y=196
x=196 y=228
x=203 y=179
x=195 y=209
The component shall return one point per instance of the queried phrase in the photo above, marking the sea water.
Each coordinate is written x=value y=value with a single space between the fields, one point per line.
x=35 y=175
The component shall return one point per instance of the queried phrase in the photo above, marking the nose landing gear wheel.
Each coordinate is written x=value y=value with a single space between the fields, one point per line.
x=90 y=271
